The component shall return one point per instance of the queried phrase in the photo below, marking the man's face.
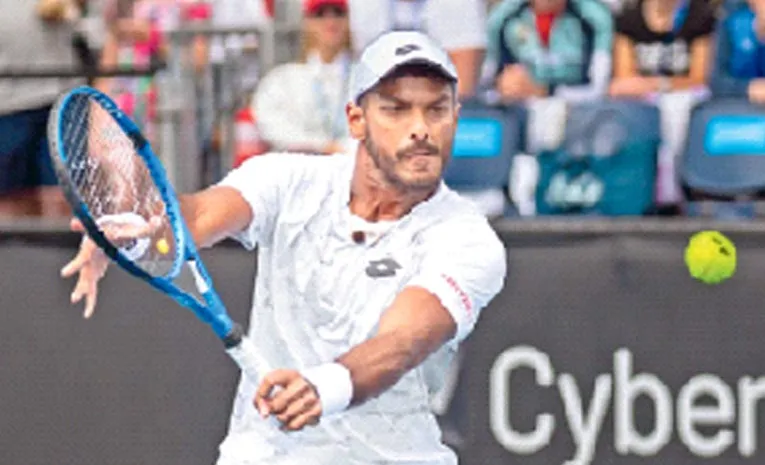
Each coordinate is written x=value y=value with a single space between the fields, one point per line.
x=410 y=125
x=548 y=6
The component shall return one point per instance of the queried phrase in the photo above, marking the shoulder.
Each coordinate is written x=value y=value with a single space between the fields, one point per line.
x=630 y=21
x=701 y=20
x=594 y=12
x=291 y=172
x=505 y=10
x=455 y=224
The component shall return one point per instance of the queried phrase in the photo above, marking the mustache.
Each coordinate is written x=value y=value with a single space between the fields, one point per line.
x=421 y=146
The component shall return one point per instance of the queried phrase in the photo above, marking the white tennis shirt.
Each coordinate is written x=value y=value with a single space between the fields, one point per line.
x=318 y=293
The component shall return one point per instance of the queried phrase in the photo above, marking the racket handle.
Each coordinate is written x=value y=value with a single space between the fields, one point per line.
x=249 y=360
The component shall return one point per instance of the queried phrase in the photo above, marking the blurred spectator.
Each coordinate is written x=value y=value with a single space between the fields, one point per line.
x=458 y=25
x=739 y=69
x=541 y=48
x=33 y=34
x=136 y=38
x=301 y=106
x=662 y=52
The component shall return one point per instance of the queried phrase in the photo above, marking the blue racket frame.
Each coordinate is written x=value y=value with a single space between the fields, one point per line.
x=214 y=312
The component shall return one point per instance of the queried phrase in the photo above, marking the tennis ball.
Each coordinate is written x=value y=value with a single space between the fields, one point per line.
x=162 y=246
x=710 y=257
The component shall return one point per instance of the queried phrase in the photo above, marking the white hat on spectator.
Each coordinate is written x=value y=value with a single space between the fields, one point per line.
x=392 y=50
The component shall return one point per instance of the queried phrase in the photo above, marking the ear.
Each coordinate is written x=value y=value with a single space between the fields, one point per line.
x=457 y=108
x=357 y=122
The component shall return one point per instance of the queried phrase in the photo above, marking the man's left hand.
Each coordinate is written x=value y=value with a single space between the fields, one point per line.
x=290 y=397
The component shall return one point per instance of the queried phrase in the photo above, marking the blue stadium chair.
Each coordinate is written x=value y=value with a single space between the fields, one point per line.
x=487 y=138
x=606 y=164
x=725 y=150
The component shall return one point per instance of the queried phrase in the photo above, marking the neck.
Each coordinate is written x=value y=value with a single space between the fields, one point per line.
x=663 y=7
x=328 y=54
x=374 y=198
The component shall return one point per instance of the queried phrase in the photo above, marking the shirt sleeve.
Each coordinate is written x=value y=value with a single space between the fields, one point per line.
x=264 y=181
x=703 y=20
x=457 y=24
x=465 y=268
x=626 y=21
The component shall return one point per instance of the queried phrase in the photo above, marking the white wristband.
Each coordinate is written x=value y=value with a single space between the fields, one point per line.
x=333 y=384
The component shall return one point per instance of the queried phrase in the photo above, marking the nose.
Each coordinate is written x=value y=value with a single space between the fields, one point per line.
x=420 y=131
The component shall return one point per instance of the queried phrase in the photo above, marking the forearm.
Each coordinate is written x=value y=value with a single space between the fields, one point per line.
x=213 y=214
x=678 y=82
x=379 y=363
x=468 y=63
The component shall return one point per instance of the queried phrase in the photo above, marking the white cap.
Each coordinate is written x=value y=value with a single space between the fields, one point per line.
x=391 y=50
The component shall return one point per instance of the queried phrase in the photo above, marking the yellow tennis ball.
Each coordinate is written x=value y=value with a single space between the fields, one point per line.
x=710 y=257
x=163 y=246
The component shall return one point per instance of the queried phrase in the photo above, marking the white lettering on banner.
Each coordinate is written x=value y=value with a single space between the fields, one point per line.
x=749 y=392
x=583 y=191
x=689 y=415
x=584 y=431
x=585 y=423
x=626 y=438
x=500 y=394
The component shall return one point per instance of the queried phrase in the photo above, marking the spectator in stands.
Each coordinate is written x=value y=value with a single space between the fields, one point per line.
x=301 y=106
x=541 y=48
x=458 y=25
x=33 y=34
x=739 y=69
x=662 y=52
x=546 y=53
x=136 y=39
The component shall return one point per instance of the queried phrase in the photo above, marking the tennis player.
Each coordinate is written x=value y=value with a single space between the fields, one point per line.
x=370 y=273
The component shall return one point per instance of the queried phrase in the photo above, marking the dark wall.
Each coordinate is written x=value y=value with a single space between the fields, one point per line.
x=144 y=382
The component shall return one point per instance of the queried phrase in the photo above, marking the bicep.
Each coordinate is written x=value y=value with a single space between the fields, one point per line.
x=624 y=57
x=418 y=317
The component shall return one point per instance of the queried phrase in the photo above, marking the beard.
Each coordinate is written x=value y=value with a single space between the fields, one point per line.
x=387 y=164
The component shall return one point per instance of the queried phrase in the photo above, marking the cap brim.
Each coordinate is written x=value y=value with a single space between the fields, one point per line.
x=416 y=61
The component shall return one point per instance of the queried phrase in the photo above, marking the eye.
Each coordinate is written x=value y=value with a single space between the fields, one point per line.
x=439 y=109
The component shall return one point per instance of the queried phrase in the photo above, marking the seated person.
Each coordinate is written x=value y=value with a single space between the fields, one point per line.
x=740 y=65
x=301 y=106
x=459 y=26
x=661 y=45
x=545 y=48
x=662 y=50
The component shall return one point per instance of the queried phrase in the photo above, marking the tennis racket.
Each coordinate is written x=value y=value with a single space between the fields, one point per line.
x=114 y=182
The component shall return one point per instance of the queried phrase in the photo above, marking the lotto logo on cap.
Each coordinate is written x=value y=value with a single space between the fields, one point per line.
x=392 y=50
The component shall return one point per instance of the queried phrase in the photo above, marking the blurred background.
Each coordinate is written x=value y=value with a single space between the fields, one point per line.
x=597 y=135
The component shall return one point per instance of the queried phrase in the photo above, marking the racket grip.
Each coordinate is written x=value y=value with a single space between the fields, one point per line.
x=249 y=360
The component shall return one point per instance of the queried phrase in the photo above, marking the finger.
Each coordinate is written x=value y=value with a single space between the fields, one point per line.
x=270 y=381
x=291 y=393
x=261 y=406
x=83 y=257
x=119 y=232
x=297 y=407
x=310 y=417
x=80 y=289
x=90 y=300
x=76 y=225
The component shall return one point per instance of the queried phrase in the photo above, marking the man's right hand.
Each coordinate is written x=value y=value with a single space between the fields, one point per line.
x=91 y=263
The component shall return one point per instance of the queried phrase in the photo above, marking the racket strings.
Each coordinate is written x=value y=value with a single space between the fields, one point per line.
x=112 y=180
